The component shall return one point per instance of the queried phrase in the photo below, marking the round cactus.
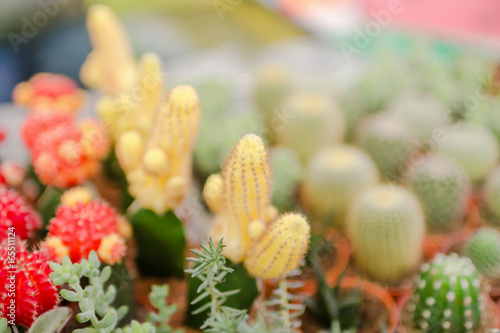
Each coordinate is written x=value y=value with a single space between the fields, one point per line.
x=308 y=122
x=492 y=194
x=334 y=177
x=287 y=172
x=16 y=213
x=475 y=148
x=25 y=282
x=447 y=296
x=425 y=114
x=484 y=252
x=443 y=189
x=386 y=228
x=389 y=140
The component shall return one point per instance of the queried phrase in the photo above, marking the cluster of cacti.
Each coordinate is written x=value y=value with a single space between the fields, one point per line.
x=334 y=177
x=474 y=148
x=448 y=296
x=443 y=189
x=27 y=291
x=287 y=173
x=301 y=112
x=386 y=228
x=17 y=215
x=484 y=252
x=389 y=140
x=270 y=246
x=82 y=225
x=492 y=194
x=159 y=169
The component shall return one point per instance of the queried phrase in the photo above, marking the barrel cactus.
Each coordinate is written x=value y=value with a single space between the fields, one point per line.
x=492 y=195
x=389 y=140
x=386 y=228
x=443 y=189
x=475 y=148
x=308 y=122
x=447 y=296
x=334 y=177
x=287 y=172
x=484 y=252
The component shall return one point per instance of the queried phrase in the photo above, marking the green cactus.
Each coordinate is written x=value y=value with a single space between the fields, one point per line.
x=307 y=122
x=484 y=252
x=475 y=148
x=423 y=112
x=389 y=140
x=492 y=195
x=287 y=173
x=443 y=189
x=273 y=82
x=386 y=228
x=334 y=177
x=448 y=296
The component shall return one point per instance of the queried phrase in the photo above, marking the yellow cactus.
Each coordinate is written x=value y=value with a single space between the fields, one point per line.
x=56 y=248
x=245 y=218
x=111 y=66
x=112 y=249
x=158 y=167
x=280 y=249
x=79 y=194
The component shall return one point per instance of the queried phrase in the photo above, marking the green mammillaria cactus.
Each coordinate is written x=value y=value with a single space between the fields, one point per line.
x=492 y=194
x=423 y=112
x=273 y=83
x=443 y=189
x=307 y=122
x=287 y=173
x=389 y=140
x=484 y=252
x=334 y=177
x=475 y=148
x=447 y=296
x=386 y=229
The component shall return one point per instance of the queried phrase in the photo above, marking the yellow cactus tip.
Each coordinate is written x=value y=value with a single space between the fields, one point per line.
x=184 y=94
x=112 y=249
x=80 y=194
x=129 y=150
x=155 y=161
x=56 y=248
x=177 y=188
x=270 y=213
x=250 y=148
x=255 y=229
x=212 y=192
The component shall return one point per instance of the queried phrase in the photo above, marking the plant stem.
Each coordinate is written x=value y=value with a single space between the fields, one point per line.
x=285 y=315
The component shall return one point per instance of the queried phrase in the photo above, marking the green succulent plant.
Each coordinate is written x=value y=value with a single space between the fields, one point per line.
x=386 y=228
x=484 y=252
x=448 y=296
x=443 y=189
x=492 y=195
x=287 y=173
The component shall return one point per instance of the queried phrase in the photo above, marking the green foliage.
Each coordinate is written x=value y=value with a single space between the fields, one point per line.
x=443 y=189
x=52 y=321
x=3 y=325
x=448 y=296
x=484 y=252
x=157 y=297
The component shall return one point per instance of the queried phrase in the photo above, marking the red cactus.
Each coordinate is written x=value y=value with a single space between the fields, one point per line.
x=80 y=228
x=32 y=291
x=38 y=123
x=16 y=213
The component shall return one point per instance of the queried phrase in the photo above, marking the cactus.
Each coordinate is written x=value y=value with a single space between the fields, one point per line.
x=159 y=169
x=423 y=112
x=492 y=194
x=334 y=177
x=474 y=148
x=389 y=141
x=280 y=249
x=49 y=91
x=443 y=189
x=448 y=296
x=307 y=122
x=17 y=214
x=386 y=228
x=111 y=66
x=287 y=173
x=38 y=123
x=26 y=288
x=484 y=252
x=81 y=227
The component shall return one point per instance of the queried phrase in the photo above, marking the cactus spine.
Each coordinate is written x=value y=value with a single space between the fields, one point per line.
x=448 y=296
x=334 y=177
x=386 y=228
x=443 y=189
x=484 y=252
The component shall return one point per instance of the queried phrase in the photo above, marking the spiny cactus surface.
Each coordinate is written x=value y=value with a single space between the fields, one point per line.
x=484 y=252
